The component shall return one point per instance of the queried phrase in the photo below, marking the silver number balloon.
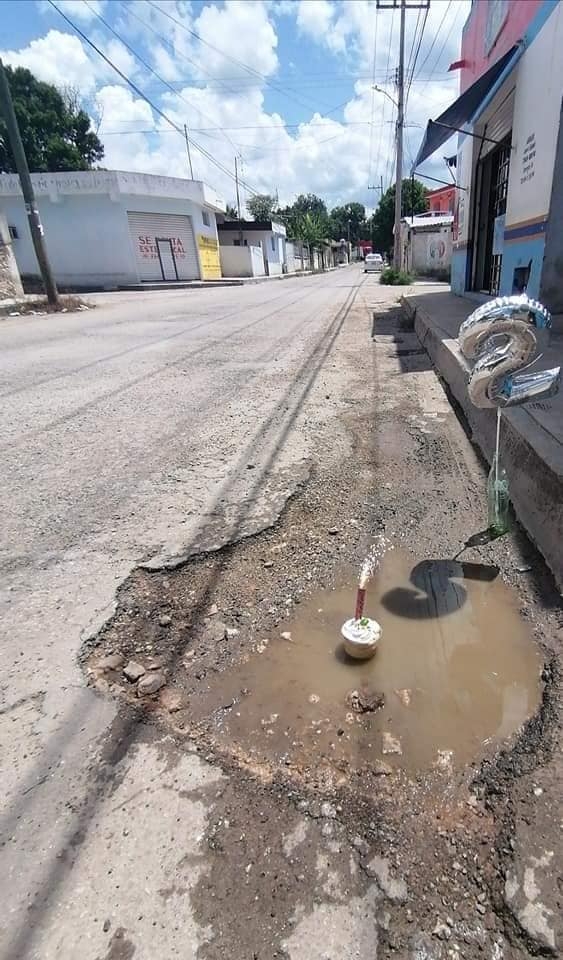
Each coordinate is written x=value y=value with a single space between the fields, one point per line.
x=502 y=337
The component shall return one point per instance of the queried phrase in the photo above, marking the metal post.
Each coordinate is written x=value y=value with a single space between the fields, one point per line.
x=400 y=125
x=238 y=194
x=188 y=149
x=20 y=158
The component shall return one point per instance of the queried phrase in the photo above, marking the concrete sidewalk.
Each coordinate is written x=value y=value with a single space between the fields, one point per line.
x=532 y=435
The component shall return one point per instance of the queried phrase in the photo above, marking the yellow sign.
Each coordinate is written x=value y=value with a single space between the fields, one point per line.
x=209 y=257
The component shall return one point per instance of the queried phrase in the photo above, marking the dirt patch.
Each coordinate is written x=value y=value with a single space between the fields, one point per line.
x=39 y=306
x=443 y=830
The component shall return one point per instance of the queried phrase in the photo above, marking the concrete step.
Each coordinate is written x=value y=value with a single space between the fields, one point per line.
x=531 y=435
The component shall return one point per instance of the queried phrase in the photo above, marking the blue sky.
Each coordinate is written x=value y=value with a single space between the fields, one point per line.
x=286 y=85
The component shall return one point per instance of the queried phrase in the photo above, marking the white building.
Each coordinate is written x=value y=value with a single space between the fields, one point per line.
x=426 y=244
x=251 y=248
x=111 y=228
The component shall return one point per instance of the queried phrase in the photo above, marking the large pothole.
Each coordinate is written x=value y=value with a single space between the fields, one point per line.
x=455 y=674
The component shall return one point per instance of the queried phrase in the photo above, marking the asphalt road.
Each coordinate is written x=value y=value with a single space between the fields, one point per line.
x=130 y=433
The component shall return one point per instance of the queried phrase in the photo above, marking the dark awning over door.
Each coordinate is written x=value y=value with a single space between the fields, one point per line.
x=461 y=110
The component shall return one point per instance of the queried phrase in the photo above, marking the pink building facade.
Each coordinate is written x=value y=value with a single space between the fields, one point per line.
x=508 y=229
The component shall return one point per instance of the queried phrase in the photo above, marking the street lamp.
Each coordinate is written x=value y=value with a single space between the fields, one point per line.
x=385 y=94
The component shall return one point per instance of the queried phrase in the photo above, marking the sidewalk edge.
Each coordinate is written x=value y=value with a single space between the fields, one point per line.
x=534 y=462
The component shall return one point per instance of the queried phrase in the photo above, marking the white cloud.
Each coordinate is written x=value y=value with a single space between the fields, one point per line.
x=57 y=58
x=244 y=32
x=76 y=8
x=315 y=19
x=322 y=155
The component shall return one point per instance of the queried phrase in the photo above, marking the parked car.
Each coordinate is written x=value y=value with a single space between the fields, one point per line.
x=373 y=263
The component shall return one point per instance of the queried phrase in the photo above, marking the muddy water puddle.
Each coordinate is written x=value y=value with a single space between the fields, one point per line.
x=455 y=671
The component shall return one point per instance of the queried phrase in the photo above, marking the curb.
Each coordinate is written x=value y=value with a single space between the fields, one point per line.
x=532 y=457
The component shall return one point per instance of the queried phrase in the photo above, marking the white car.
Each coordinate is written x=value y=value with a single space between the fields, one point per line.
x=373 y=263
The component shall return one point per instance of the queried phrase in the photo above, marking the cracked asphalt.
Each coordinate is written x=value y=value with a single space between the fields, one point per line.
x=149 y=429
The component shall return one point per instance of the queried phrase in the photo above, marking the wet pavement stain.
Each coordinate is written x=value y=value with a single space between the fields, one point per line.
x=456 y=666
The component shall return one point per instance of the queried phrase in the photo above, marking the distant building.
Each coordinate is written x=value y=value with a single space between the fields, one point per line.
x=109 y=228
x=508 y=231
x=426 y=244
x=441 y=200
x=262 y=246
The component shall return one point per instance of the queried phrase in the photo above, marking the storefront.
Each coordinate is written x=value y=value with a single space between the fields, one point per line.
x=106 y=229
x=508 y=121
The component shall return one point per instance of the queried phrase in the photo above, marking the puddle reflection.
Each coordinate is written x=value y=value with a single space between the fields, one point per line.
x=455 y=663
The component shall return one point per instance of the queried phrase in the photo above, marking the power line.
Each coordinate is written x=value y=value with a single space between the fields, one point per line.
x=228 y=56
x=143 y=96
x=259 y=126
x=154 y=72
x=411 y=77
x=372 y=118
x=442 y=48
x=385 y=99
x=436 y=35
x=413 y=40
x=178 y=53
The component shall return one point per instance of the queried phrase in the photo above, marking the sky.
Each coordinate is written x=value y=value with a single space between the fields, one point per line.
x=285 y=86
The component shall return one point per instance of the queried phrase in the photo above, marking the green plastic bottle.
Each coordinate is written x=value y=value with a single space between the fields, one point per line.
x=498 y=499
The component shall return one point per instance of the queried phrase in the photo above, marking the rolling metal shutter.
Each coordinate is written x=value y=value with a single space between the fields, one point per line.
x=500 y=124
x=146 y=227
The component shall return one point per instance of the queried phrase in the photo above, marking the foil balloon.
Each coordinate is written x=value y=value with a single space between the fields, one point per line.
x=504 y=336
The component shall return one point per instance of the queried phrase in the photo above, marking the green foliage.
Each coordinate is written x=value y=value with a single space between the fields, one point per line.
x=339 y=217
x=309 y=227
x=413 y=201
x=295 y=217
x=395 y=278
x=55 y=131
x=262 y=206
x=231 y=212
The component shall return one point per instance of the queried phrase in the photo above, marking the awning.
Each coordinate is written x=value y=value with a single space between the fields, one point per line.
x=461 y=111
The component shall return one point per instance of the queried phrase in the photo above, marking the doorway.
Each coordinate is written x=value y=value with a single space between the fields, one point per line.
x=492 y=190
x=167 y=258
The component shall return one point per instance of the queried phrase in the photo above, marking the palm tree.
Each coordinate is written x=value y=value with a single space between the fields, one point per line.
x=310 y=228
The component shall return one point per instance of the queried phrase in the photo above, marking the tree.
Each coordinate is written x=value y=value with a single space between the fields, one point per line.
x=309 y=227
x=262 y=206
x=414 y=201
x=310 y=203
x=231 y=212
x=306 y=203
x=55 y=131
x=339 y=217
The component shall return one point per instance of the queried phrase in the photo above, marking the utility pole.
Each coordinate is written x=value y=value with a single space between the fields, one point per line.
x=188 y=149
x=372 y=186
x=238 y=193
x=404 y=5
x=35 y=225
x=400 y=125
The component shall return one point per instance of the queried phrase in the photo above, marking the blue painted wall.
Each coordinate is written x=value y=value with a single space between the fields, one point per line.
x=519 y=253
x=458 y=270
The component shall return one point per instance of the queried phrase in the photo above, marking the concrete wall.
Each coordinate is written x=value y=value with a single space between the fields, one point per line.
x=551 y=287
x=536 y=83
x=88 y=237
x=241 y=261
x=273 y=245
x=430 y=252
x=10 y=283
